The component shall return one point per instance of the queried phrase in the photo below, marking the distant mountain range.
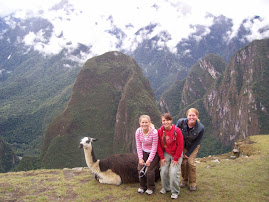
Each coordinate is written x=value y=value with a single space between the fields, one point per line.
x=163 y=68
x=35 y=89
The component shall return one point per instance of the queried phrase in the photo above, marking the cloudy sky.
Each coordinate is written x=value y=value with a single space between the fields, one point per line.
x=89 y=22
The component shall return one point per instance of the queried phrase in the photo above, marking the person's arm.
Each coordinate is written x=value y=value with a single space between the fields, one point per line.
x=138 y=144
x=154 y=146
x=160 y=149
x=180 y=123
x=195 y=143
x=180 y=145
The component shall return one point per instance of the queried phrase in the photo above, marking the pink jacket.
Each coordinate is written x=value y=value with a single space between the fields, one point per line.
x=149 y=144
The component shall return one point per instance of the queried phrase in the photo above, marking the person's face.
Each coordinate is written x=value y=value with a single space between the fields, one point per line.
x=166 y=123
x=192 y=117
x=144 y=123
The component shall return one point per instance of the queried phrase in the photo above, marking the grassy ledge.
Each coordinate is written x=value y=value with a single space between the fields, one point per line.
x=219 y=179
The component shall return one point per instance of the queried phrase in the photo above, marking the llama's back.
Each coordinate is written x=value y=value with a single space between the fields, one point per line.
x=125 y=165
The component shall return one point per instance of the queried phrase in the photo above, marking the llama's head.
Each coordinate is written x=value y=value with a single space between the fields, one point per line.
x=86 y=142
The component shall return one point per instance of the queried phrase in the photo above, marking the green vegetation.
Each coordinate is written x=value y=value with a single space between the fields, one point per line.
x=242 y=179
x=36 y=92
x=173 y=96
x=8 y=159
x=28 y=163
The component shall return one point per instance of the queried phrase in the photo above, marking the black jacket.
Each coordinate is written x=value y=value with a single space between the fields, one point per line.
x=192 y=137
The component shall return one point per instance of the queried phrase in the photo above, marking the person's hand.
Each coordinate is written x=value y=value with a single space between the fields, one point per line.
x=147 y=164
x=141 y=162
x=175 y=163
x=185 y=156
x=162 y=162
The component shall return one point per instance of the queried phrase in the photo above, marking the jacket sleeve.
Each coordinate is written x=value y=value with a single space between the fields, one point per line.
x=196 y=143
x=180 y=144
x=180 y=122
x=160 y=147
x=138 y=144
x=154 y=145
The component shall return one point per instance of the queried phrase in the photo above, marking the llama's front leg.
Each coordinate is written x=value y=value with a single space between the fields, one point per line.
x=96 y=177
x=110 y=181
x=110 y=178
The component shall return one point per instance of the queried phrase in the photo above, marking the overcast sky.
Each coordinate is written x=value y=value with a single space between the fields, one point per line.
x=88 y=21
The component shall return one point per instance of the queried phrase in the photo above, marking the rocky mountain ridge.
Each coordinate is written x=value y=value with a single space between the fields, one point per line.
x=239 y=104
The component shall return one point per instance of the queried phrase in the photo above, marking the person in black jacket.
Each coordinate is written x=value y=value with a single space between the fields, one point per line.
x=192 y=131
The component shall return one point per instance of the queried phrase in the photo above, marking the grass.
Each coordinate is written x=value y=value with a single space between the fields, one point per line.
x=243 y=179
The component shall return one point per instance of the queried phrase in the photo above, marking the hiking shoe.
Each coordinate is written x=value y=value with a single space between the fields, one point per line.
x=148 y=191
x=193 y=188
x=174 y=196
x=141 y=191
x=182 y=185
x=163 y=191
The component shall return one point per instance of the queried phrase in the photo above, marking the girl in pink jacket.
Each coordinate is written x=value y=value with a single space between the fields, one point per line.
x=146 y=144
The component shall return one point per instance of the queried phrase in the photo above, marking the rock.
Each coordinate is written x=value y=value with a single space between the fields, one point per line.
x=215 y=161
x=78 y=168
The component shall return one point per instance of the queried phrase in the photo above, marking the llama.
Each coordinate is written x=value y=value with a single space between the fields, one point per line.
x=115 y=169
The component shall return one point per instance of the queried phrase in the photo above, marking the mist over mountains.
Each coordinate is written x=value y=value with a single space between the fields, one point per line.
x=40 y=61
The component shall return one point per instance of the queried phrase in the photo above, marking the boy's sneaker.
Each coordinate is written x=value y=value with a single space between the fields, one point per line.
x=141 y=191
x=163 y=191
x=174 y=196
x=148 y=191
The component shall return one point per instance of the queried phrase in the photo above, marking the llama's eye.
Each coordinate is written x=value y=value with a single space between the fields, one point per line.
x=88 y=141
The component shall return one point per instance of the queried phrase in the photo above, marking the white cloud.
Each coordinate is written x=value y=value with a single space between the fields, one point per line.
x=255 y=27
x=88 y=22
x=29 y=38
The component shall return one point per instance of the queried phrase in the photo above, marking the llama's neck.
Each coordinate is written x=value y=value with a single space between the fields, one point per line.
x=89 y=157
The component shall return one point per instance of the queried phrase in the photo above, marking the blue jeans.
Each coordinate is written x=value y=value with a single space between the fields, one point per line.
x=171 y=182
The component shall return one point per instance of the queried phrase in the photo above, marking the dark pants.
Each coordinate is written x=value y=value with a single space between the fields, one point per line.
x=148 y=181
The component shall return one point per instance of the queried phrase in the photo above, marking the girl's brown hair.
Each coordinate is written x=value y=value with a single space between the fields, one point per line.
x=166 y=116
x=195 y=111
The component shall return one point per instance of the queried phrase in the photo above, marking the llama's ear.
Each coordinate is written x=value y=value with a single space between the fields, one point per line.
x=94 y=139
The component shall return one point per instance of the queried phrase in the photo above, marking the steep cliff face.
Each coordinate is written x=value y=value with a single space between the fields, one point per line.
x=201 y=77
x=198 y=81
x=108 y=97
x=239 y=102
x=170 y=100
x=137 y=98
